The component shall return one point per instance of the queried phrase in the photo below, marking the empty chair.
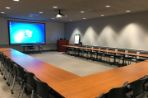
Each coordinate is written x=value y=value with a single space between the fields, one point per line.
x=122 y=92
x=19 y=77
x=130 y=58
x=119 y=57
x=89 y=52
x=146 y=84
x=109 y=55
x=138 y=88
x=2 y=67
x=94 y=53
x=81 y=50
x=85 y=51
x=10 y=73
x=1 y=62
x=30 y=86
x=43 y=90
x=140 y=59
x=99 y=55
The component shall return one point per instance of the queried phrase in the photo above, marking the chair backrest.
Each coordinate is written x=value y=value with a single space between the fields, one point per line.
x=30 y=82
x=20 y=72
x=118 y=92
x=30 y=79
x=42 y=89
x=137 y=86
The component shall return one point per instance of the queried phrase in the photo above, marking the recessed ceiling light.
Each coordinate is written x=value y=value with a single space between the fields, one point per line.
x=55 y=7
x=8 y=8
x=84 y=18
x=2 y=12
x=107 y=6
x=102 y=15
x=128 y=11
x=16 y=0
x=53 y=18
x=41 y=12
x=82 y=12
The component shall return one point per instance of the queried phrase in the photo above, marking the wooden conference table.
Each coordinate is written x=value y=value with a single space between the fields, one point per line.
x=97 y=84
x=72 y=86
x=107 y=50
x=43 y=71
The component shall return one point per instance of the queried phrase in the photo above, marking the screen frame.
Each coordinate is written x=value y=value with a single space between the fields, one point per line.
x=79 y=39
x=26 y=21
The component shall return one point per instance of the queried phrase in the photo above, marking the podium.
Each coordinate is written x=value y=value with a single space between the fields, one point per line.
x=60 y=44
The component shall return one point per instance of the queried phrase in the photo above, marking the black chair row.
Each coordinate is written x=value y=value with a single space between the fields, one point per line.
x=107 y=57
x=136 y=89
x=28 y=83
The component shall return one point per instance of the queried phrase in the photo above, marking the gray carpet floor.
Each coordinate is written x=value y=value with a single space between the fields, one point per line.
x=76 y=65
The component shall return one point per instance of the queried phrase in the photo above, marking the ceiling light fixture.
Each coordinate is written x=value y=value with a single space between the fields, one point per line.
x=59 y=15
x=128 y=11
x=107 y=6
x=41 y=12
x=102 y=15
x=84 y=18
x=8 y=8
x=82 y=12
x=16 y=0
x=55 y=7
x=2 y=12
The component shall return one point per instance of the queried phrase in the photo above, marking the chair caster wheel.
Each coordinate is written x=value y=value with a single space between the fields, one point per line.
x=4 y=78
x=12 y=92
x=8 y=84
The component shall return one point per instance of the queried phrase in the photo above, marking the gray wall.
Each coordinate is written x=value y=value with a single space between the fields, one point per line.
x=122 y=31
x=54 y=31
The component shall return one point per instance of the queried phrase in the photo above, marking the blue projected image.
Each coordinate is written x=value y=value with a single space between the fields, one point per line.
x=26 y=33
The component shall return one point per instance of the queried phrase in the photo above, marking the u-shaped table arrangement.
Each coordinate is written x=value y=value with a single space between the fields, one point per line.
x=69 y=85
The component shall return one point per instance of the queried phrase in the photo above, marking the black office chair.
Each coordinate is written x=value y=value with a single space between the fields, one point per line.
x=89 y=52
x=19 y=77
x=42 y=89
x=140 y=59
x=94 y=53
x=138 y=87
x=10 y=73
x=85 y=52
x=109 y=56
x=1 y=57
x=146 y=83
x=121 y=92
x=30 y=86
x=119 y=58
x=130 y=58
x=99 y=55
x=2 y=68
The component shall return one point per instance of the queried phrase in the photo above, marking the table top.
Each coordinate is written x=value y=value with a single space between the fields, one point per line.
x=43 y=71
x=94 y=85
